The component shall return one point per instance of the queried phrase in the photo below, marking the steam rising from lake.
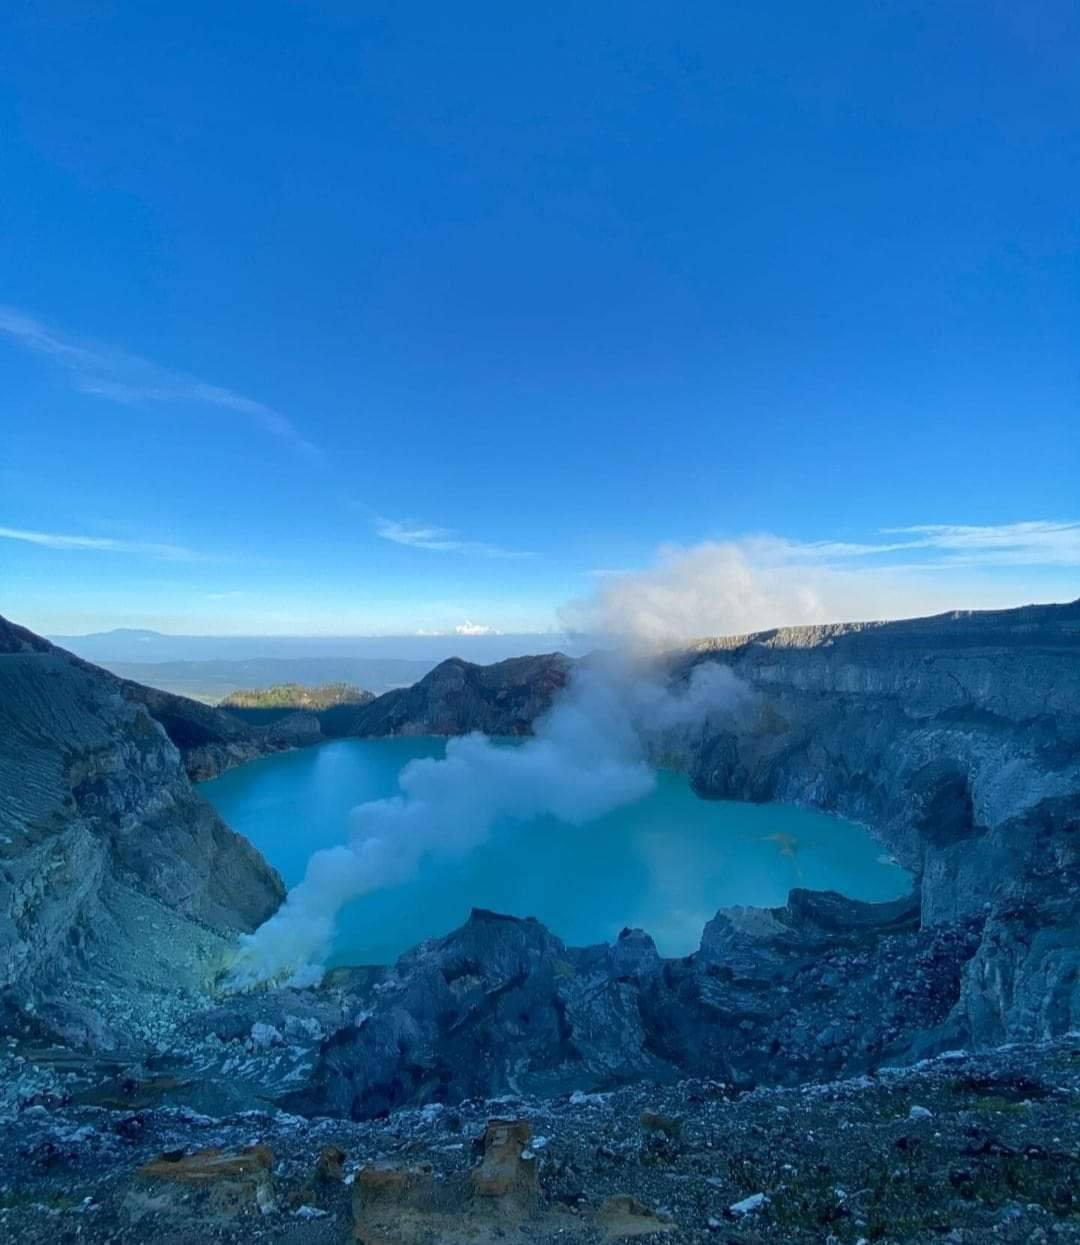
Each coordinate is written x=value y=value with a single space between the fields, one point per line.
x=588 y=756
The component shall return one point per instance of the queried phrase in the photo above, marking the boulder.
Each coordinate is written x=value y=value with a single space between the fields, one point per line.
x=508 y=1169
x=622 y=1216
x=207 y=1186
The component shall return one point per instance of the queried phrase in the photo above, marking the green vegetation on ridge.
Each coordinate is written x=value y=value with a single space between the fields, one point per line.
x=297 y=696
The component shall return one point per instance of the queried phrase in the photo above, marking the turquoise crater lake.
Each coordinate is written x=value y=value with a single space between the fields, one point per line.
x=665 y=864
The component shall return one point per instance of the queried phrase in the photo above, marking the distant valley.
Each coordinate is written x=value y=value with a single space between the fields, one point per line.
x=209 y=668
x=212 y=681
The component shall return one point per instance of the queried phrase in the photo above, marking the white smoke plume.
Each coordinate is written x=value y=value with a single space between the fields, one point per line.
x=760 y=582
x=588 y=755
x=716 y=588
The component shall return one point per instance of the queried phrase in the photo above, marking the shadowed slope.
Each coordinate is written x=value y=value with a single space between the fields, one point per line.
x=116 y=875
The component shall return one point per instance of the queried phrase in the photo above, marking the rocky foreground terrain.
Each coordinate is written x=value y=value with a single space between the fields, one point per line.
x=752 y=1091
x=965 y=1149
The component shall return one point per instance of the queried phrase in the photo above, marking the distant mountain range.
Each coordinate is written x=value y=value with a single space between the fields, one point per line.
x=131 y=645
x=208 y=668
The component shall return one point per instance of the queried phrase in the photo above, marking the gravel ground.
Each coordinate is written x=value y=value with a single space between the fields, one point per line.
x=962 y=1149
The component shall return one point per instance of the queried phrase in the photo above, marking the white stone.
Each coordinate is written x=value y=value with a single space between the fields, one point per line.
x=580 y=1099
x=749 y=1205
x=304 y=1027
x=264 y=1035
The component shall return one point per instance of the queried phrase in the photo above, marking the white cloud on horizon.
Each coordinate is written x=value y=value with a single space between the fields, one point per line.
x=102 y=544
x=440 y=540
x=471 y=628
x=106 y=372
x=466 y=628
x=759 y=582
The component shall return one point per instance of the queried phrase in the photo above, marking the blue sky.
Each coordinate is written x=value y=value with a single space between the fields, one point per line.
x=329 y=317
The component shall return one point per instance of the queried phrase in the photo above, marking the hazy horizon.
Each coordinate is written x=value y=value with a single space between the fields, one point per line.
x=210 y=666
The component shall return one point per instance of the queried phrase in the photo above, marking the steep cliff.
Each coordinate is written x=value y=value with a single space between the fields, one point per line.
x=117 y=881
x=209 y=740
x=932 y=731
x=956 y=739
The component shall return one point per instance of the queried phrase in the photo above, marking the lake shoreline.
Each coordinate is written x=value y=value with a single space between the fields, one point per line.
x=665 y=864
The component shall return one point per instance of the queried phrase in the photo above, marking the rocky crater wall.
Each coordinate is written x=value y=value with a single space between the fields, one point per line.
x=956 y=740
x=117 y=880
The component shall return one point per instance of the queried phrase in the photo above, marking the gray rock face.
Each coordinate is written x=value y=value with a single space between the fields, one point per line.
x=957 y=740
x=115 y=876
x=457 y=697
x=931 y=731
x=209 y=740
x=821 y=986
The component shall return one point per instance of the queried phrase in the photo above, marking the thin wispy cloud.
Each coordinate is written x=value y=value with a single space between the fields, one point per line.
x=1034 y=543
x=441 y=540
x=102 y=544
x=107 y=372
x=1031 y=543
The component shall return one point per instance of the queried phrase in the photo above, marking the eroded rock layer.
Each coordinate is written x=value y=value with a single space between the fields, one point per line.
x=957 y=740
x=117 y=880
